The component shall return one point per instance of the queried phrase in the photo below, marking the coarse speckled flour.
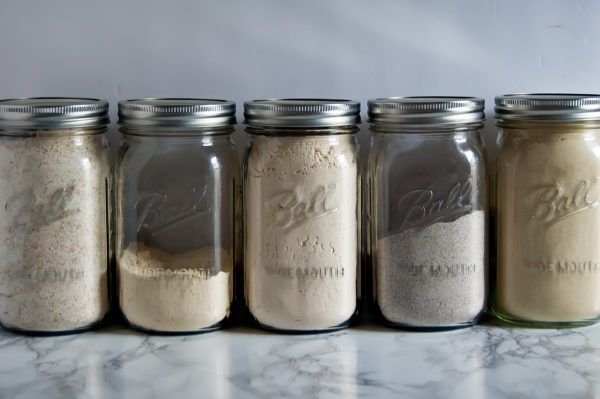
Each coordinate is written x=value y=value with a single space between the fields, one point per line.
x=174 y=292
x=435 y=275
x=301 y=231
x=53 y=231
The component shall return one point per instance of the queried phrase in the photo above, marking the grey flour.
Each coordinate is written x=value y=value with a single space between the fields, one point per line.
x=433 y=276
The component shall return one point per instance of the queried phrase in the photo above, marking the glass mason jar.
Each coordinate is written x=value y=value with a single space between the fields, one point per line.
x=301 y=207
x=55 y=184
x=427 y=205
x=548 y=224
x=177 y=179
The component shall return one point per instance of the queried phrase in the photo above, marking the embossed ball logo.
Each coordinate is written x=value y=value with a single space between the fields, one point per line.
x=553 y=202
x=293 y=208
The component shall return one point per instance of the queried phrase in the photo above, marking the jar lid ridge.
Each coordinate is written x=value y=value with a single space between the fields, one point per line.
x=176 y=112
x=426 y=110
x=301 y=112
x=53 y=112
x=548 y=107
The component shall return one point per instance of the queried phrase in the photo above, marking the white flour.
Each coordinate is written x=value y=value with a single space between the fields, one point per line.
x=301 y=231
x=174 y=292
x=53 y=232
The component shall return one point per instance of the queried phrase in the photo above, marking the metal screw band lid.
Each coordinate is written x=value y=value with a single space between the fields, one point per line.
x=548 y=107
x=426 y=110
x=177 y=112
x=301 y=112
x=53 y=112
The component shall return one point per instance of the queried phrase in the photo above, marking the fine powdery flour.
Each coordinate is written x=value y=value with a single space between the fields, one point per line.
x=175 y=292
x=301 y=231
x=434 y=275
x=549 y=225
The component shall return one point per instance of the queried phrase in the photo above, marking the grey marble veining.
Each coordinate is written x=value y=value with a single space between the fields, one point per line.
x=362 y=362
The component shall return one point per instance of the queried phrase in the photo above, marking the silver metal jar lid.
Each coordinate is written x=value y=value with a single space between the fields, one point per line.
x=426 y=110
x=176 y=112
x=548 y=107
x=53 y=113
x=301 y=112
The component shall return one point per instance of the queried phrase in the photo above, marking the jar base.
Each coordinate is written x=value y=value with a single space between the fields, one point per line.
x=518 y=322
x=41 y=333
x=429 y=328
x=338 y=327
x=383 y=320
x=214 y=327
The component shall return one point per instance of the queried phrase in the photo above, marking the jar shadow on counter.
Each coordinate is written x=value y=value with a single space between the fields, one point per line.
x=116 y=324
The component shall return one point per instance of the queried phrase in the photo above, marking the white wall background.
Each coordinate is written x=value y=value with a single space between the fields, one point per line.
x=243 y=50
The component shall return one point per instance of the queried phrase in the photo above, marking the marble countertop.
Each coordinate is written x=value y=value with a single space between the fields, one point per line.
x=364 y=361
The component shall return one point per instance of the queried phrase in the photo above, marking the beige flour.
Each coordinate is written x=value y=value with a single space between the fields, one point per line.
x=174 y=292
x=301 y=231
x=53 y=232
x=549 y=227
